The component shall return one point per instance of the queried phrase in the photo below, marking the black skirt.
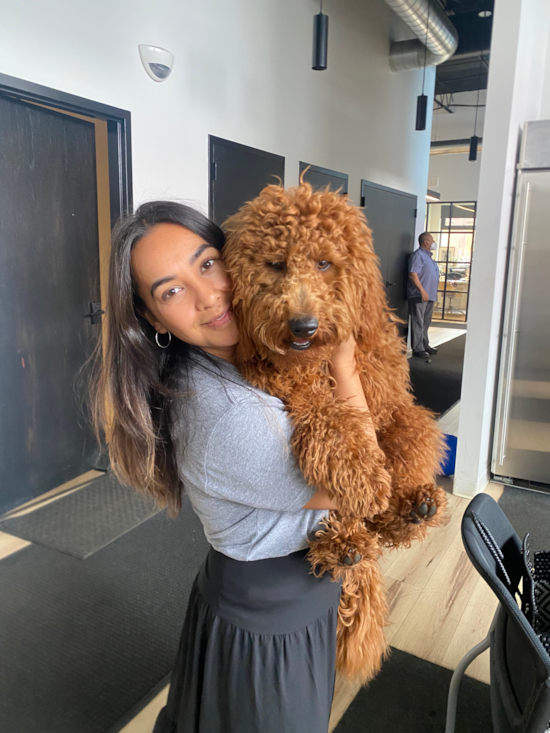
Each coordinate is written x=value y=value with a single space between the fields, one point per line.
x=257 y=651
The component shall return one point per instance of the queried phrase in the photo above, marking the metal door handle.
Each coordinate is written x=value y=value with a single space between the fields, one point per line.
x=95 y=313
x=388 y=283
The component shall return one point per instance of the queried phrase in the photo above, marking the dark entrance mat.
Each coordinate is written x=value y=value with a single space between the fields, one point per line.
x=410 y=695
x=437 y=385
x=84 y=642
x=86 y=520
x=528 y=511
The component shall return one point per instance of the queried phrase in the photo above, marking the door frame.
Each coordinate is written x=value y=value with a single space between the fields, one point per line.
x=118 y=133
x=212 y=173
x=327 y=172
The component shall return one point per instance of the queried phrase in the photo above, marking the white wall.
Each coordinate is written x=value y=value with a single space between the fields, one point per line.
x=457 y=178
x=242 y=72
x=516 y=93
x=461 y=123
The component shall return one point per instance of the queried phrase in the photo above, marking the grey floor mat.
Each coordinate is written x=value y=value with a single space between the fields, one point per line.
x=528 y=511
x=410 y=695
x=83 y=522
x=82 y=643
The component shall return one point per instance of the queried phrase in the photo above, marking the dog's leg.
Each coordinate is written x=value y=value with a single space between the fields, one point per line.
x=336 y=453
x=414 y=448
x=363 y=612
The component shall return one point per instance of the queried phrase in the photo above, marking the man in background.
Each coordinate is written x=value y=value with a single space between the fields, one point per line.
x=422 y=294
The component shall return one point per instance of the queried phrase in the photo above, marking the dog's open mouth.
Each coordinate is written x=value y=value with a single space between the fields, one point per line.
x=300 y=344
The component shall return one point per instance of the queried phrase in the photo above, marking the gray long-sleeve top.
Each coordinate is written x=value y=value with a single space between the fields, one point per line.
x=238 y=469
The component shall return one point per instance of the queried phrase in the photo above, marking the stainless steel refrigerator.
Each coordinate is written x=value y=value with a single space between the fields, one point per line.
x=521 y=449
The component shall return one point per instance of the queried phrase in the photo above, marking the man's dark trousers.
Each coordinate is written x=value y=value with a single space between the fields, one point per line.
x=421 y=317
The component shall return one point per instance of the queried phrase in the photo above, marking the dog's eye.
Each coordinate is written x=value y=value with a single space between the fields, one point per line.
x=276 y=265
x=323 y=265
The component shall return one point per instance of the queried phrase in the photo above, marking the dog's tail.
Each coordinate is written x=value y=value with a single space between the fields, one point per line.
x=363 y=613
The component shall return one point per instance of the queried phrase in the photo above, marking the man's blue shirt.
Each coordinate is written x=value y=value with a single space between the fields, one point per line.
x=427 y=270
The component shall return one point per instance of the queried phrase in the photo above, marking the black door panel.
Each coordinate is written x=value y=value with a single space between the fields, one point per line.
x=237 y=174
x=49 y=275
x=320 y=178
x=392 y=217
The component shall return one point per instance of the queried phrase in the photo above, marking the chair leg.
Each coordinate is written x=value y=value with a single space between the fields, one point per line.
x=463 y=665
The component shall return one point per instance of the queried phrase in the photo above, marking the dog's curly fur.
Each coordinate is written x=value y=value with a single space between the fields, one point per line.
x=376 y=484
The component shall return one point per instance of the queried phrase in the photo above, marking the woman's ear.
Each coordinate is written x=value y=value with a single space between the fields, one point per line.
x=145 y=313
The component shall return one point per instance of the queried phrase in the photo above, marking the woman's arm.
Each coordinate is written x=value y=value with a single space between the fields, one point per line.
x=348 y=387
x=321 y=501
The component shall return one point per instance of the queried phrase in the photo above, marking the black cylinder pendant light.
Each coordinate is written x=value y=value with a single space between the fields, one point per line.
x=422 y=99
x=320 y=41
x=474 y=140
x=421 y=110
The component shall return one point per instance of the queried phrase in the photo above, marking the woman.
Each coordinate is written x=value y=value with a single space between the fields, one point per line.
x=257 y=651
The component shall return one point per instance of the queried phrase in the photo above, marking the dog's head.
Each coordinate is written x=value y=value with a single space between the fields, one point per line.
x=304 y=274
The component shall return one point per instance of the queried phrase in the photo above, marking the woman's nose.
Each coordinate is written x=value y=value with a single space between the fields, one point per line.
x=206 y=295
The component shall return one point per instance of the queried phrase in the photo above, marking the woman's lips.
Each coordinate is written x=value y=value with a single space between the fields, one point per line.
x=225 y=318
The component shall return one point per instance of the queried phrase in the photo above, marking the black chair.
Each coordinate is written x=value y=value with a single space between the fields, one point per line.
x=520 y=665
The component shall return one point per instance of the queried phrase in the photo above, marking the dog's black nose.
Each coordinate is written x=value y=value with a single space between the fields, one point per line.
x=303 y=327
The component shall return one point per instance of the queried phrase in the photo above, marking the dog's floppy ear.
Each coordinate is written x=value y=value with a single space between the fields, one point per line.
x=365 y=279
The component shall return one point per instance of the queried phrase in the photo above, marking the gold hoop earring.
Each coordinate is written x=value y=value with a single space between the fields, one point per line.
x=158 y=342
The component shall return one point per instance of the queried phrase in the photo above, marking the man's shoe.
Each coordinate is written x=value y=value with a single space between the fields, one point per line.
x=422 y=354
x=431 y=350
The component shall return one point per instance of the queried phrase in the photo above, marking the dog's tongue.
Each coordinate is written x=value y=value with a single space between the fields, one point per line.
x=301 y=341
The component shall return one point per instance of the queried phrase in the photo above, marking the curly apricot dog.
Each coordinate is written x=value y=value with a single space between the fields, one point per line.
x=305 y=278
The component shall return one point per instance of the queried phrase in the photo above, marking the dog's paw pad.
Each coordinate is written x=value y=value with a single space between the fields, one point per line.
x=423 y=510
x=352 y=557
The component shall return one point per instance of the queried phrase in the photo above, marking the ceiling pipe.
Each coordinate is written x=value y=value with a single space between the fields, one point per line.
x=436 y=37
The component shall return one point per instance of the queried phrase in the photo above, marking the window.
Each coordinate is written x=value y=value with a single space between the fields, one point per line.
x=452 y=225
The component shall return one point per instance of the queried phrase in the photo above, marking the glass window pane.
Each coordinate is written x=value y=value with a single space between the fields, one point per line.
x=442 y=243
x=438 y=308
x=459 y=273
x=460 y=246
x=455 y=305
x=433 y=219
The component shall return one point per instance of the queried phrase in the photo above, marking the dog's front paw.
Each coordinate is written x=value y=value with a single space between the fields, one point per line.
x=424 y=509
x=349 y=556
x=428 y=502
x=409 y=516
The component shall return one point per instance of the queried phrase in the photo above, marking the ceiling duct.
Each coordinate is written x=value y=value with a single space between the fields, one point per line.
x=436 y=37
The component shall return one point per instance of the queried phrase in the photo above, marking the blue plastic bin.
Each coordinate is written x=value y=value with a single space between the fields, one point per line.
x=448 y=467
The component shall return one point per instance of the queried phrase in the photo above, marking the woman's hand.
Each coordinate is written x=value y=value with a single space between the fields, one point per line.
x=343 y=358
x=348 y=387
x=343 y=369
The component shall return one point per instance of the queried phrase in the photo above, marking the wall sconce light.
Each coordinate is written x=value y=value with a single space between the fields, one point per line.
x=320 y=41
x=157 y=62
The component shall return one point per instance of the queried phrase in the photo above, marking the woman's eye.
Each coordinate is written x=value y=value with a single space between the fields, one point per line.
x=276 y=265
x=170 y=293
x=207 y=264
x=323 y=265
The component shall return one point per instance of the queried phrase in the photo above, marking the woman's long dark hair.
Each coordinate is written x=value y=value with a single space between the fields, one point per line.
x=134 y=381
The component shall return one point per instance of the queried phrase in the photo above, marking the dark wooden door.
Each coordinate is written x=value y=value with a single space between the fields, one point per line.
x=391 y=215
x=49 y=274
x=320 y=178
x=237 y=174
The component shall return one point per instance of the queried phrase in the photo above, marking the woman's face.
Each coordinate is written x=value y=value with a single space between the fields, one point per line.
x=184 y=285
